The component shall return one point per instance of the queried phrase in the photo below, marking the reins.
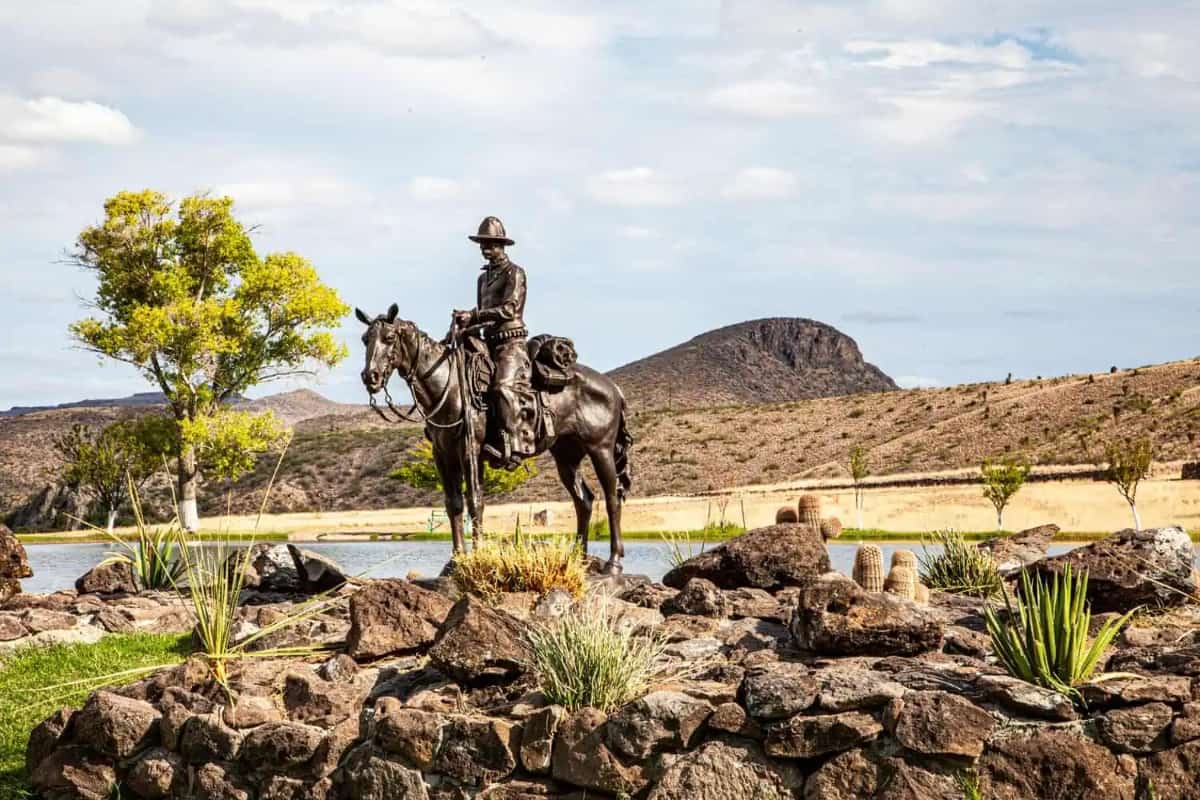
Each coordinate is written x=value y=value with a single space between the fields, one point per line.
x=416 y=413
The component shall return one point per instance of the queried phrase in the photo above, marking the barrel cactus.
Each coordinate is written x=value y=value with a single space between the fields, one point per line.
x=809 y=509
x=901 y=581
x=868 y=567
x=922 y=593
x=785 y=515
x=832 y=528
x=905 y=558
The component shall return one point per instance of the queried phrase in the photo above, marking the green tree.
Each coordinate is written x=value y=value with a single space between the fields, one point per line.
x=860 y=468
x=1002 y=480
x=228 y=442
x=420 y=472
x=1127 y=462
x=106 y=463
x=183 y=297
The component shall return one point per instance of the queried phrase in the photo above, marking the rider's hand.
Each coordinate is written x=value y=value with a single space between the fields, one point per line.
x=462 y=318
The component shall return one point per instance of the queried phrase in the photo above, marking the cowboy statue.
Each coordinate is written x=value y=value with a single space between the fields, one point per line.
x=499 y=317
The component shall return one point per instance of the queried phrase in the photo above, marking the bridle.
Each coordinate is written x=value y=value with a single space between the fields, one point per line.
x=416 y=413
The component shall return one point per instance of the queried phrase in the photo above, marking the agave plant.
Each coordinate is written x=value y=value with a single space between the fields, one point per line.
x=959 y=568
x=1044 y=639
x=153 y=555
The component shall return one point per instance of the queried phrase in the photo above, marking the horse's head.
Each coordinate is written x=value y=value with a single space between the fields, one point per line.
x=390 y=344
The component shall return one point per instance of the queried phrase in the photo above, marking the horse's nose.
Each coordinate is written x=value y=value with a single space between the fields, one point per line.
x=370 y=377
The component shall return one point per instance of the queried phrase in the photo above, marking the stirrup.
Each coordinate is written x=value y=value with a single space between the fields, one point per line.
x=495 y=455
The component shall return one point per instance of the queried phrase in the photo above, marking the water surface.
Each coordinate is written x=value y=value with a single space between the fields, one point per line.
x=56 y=566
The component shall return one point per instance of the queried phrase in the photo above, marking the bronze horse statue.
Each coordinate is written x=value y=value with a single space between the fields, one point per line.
x=588 y=417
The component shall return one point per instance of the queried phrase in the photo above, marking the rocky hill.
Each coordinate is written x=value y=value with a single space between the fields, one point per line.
x=771 y=360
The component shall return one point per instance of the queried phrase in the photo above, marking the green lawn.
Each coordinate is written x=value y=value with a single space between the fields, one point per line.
x=25 y=671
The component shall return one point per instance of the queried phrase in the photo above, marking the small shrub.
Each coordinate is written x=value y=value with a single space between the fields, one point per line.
x=588 y=659
x=521 y=566
x=960 y=568
x=1044 y=639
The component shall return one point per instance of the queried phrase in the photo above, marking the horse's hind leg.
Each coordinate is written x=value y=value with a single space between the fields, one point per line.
x=604 y=462
x=568 y=459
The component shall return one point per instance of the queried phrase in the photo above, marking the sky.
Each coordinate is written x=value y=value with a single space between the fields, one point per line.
x=966 y=189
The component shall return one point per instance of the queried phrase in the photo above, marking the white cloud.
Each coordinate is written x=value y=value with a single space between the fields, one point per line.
x=424 y=187
x=52 y=119
x=768 y=99
x=755 y=183
x=634 y=187
x=14 y=157
x=923 y=119
x=287 y=195
x=923 y=53
x=636 y=232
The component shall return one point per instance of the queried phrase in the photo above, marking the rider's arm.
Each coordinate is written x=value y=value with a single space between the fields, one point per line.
x=509 y=307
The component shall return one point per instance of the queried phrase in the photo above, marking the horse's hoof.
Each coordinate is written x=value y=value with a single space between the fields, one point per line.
x=613 y=567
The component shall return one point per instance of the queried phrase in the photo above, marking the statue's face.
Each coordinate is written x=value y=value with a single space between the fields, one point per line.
x=492 y=251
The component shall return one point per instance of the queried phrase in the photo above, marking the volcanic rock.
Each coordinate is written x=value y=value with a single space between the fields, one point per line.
x=698 y=597
x=157 y=773
x=1137 y=729
x=1051 y=763
x=1011 y=553
x=776 y=691
x=14 y=564
x=1174 y=773
x=315 y=572
x=74 y=773
x=582 y=758
x=722 y=771
x=835 y=616
x=939 y=724
x=393 y=616
x=110 y=578
x=479 y=645
x=663 y=720
x=807 y=737
x=766 y=558
x=1132 y=568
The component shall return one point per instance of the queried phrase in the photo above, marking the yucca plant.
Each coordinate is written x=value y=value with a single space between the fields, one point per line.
x=153 y=555
x=1044 y=639
x=680 y=547
x=587 y=659
x=959 y=568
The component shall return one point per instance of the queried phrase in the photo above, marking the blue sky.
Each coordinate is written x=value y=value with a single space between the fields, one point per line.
x=965 y=192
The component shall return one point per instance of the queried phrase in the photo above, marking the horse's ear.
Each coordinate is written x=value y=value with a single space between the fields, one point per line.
x=363 y=318
x=393 y=310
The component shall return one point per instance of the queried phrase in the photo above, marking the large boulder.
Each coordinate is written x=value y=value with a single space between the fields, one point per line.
x=1132 y=568
x=766 y=558
x=114 y=577
x=14 y=564
x=393 y=616
x=834 y=616
x=315 y=572
x=479 y=645
x=1049 y=763
x=1174 y=773
x=723 y=771
x=116 y=726
x=1011 y=553
x=663 y=720
x=939 y=724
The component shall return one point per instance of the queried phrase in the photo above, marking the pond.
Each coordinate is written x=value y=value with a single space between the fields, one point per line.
x=56 y=566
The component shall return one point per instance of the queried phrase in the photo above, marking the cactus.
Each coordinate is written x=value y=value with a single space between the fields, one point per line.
x=785 y=515
x=922 y=594
x=904 y=558
x=832 y=528
x=868 y=567
x=809 y=511
x=901 y=581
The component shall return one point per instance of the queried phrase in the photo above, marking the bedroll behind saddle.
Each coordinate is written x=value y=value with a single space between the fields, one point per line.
x=553 y=359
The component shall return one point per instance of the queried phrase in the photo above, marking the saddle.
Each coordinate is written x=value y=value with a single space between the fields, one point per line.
x=552 y=359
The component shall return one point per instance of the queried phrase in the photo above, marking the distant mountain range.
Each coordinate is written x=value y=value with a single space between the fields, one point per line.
x=139 y=399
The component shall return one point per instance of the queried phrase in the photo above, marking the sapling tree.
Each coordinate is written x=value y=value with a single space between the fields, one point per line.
x=1127 y=463
x=183 y=297
x=108 y=462
x=420 y=472
x=860 y=467
x=1001 y=480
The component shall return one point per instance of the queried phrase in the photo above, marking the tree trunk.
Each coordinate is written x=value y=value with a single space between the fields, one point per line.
x=1137 y=521
x=858 y=506
x=1000 y=519
x=112 y=520
x=189 y=517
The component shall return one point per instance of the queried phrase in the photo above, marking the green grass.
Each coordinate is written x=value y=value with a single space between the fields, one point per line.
x=25 y=671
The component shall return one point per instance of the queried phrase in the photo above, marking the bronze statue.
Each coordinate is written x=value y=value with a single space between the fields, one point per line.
x=573 y=411
x=498 y=317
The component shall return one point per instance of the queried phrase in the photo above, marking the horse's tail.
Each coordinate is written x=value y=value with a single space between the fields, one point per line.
x=623 y=445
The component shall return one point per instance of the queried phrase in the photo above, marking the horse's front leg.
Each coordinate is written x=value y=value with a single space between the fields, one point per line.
x=451 y=477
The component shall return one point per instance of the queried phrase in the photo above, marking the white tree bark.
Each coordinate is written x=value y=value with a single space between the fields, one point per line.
x=112 y=520
x=189 y=517
x=1137 y=521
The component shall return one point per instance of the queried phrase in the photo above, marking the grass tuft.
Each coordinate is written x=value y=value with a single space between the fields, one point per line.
x=959 y=568
x=81 y=668
x=586 y=659
x=521 y=565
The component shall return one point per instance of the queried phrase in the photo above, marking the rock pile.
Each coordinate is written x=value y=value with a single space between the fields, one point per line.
x=784 y=681
x=14 y=565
